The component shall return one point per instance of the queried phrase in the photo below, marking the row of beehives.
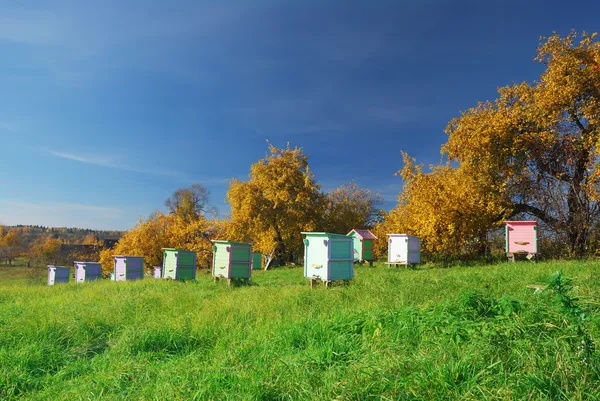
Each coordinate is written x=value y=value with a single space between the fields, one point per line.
x=327 y=257
x=230 y=260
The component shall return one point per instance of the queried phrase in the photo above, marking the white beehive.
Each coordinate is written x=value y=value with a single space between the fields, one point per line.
x=403 y=249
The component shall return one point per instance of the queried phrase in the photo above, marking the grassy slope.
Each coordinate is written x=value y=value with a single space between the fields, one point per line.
x=392 y=334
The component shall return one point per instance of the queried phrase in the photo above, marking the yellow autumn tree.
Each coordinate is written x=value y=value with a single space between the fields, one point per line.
x=536 y=146
x=445 y=207
x=90 y=239
x=532 y=152
x=159 y=231
x=279 y=201
x=10 y=247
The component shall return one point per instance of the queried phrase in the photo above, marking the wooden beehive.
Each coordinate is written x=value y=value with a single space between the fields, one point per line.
x=363 y=244
x=87 y=271
x=328 y=257
x=521 y=238
x=179 y=264
x=157 y=271
x=403 y=249
x=128 y=268
x=232 y=260
x=256 y=260
x=58 y=274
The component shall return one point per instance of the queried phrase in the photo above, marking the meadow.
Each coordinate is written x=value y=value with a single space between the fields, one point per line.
x=462 y=333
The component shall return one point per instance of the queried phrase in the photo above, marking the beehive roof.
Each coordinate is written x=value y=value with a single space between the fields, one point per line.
x=363 y=233
x=525 y=222
x=323 y=234
x=401 y=235
x=220 y=241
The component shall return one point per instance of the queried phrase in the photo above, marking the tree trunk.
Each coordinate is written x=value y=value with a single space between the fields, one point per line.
x=578 y=208
x=269 y=259
x=280 y=248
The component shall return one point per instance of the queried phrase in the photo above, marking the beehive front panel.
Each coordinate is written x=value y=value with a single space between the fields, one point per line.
x=221 y=261
x=120 y=269
x=397 y=249
x=316 y=257
x=169 y=265
x=79 y=272
x=51 y=275
x=522 y=238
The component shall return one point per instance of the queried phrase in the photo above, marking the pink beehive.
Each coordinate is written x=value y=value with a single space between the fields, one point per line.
x=521 y=237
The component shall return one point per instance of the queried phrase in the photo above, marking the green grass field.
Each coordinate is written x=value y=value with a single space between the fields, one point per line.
x=471 y=333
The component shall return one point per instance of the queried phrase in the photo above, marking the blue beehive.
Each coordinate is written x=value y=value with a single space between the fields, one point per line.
x=128 y=268
x=87 y=271
x=58 y=274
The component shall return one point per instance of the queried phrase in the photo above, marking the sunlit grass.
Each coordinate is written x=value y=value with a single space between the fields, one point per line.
x=461 y=333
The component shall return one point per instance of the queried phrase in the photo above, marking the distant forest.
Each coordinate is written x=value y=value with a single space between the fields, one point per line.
x=49 y=245
x=73 y=236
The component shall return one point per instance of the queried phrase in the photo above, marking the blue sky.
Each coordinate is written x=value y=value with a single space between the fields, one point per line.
x=107 y=107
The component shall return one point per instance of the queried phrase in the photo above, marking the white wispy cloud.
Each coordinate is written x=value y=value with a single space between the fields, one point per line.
x=109 y=162
x=104 y=161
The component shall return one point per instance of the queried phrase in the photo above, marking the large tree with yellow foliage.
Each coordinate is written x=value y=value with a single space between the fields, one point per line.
x=536 y=145
x=280 y=199
x=533 y=151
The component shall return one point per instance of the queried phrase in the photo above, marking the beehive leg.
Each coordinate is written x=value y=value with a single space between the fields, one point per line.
x=370 y=263
x=312 y=282
x=229 y=282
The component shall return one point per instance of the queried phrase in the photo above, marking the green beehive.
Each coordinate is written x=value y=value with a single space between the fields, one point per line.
x=328 y=257
x=256 y=260
x=363 y=244
x=232 y=260
x=179 y=264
